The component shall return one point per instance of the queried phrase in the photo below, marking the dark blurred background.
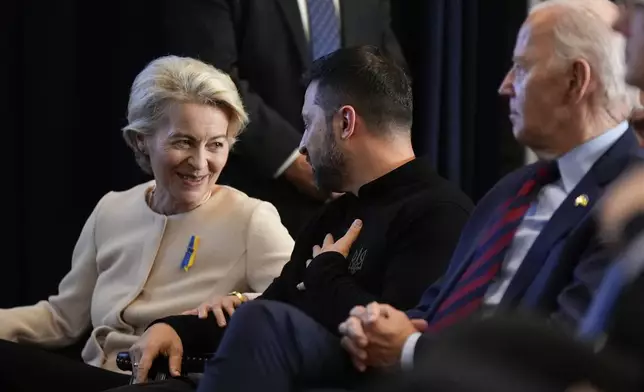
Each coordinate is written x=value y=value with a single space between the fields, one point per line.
x=70 y=67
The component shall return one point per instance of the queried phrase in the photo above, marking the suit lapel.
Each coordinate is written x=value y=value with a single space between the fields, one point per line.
x=453 y=278
x=293 y=18
x=568 y=216
x=571 y=213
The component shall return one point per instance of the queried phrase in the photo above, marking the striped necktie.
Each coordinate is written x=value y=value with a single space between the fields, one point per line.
x=324 y=27
x=468 y=293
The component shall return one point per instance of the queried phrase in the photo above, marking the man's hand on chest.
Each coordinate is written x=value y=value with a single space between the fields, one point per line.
x=341 y=246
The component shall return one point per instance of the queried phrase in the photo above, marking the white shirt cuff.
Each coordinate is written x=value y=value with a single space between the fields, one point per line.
x=288 y=162
x=251 y=296
x=407 y=355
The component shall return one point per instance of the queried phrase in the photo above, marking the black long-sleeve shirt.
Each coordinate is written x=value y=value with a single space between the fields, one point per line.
x=412 y=219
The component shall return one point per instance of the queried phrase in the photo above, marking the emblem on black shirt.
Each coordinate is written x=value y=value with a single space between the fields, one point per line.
x=357 y=260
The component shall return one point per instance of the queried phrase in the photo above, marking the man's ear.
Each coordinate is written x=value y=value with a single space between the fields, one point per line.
x=348 y=119
x=580 y=82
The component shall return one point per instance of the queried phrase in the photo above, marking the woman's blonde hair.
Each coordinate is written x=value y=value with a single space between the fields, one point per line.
x=169 y=80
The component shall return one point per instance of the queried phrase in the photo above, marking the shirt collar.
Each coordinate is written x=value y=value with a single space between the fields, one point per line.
x=575 y=164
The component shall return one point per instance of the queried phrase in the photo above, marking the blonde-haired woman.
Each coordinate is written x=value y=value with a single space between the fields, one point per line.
x=158 y=249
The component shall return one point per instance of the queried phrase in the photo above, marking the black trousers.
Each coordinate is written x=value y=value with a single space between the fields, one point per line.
x=28 y=369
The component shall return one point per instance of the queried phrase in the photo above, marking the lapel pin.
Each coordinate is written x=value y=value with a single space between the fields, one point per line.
x=191 y=253
x=581 y=200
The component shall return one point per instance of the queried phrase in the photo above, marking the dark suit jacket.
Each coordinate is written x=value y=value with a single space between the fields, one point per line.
x=261 y=43
x=571 y=284
x=565 y=264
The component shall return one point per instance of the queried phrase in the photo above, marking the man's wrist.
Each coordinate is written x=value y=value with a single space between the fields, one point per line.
x=322 y=266
x=407 y=353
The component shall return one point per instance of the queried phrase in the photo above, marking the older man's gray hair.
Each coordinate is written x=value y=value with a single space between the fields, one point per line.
x=585 y=32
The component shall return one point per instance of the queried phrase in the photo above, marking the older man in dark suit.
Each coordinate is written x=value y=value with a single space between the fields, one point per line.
x=267 y=45
x=608 y=352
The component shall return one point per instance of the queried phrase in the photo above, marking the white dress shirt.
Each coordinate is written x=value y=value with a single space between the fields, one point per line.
x=304 y=13
x=573 y=166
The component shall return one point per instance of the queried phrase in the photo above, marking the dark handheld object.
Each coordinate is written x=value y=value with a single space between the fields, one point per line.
x=160 y=371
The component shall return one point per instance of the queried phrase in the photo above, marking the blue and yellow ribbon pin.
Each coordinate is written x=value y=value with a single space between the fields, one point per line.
x=191 y=253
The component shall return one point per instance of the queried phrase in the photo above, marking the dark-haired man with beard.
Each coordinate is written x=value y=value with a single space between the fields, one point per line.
x=396 y=224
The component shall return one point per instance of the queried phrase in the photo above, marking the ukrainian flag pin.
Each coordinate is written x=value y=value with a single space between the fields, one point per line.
x=191 y=253
x=581 y=200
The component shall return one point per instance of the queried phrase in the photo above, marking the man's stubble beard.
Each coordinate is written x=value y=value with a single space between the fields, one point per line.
x=330 y=175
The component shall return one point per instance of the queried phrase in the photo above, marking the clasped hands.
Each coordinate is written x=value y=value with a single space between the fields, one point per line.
x=375 y=335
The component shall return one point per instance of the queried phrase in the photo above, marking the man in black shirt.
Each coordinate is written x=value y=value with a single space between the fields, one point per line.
x=403 y=220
